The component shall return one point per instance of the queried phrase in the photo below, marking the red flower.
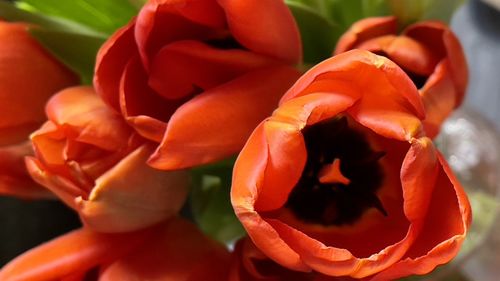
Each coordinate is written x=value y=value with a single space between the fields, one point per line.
x=174 y=250
x=427 y=51
x=198 y=76
x=88 y=156
x=341 y=180
x=29 y=75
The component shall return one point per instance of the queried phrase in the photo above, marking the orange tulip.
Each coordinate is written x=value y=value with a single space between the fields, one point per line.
x=428 y=52
x=89 y=157
x=198 y=76
x=29 y=75
x=341 y=179
x=174 y=250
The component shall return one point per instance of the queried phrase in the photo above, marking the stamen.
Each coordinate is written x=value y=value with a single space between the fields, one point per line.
x=330 y=173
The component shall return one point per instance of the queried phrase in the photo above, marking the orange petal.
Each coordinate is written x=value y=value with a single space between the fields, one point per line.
x=247 y=183
x=419 y=169
x=89 y=120
x=248 y=263
x=144 y=109
x=352 y=72
x=439 y=97
x=338 y=261
x=458 y=65
x=162 y=22
x=176 y=251
x=27 y=73
x=110 y=62
x=408 y=53
x=63 y=188
x=132 y=195
x=266 y=29
x=183 y=68
x=444 y=230
x=364 y=30
x=217 y=123
x=440 y=39
x=14 y=178
x=76 y=251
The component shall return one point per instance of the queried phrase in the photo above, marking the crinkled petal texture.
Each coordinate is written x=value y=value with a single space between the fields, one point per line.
x=418 y=191
x=27 y=73
x=429 y=53
x=196 y=76
x=174 y=250
x=89 y=157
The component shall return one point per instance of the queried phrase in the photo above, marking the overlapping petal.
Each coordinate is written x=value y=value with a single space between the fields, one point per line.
x=382 y=104
x=172 y=250
x=27 y=73
x=89 y=157
x=166 y=71
x=428 y=52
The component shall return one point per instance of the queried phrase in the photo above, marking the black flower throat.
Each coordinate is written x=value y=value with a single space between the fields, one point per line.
x=342 y=202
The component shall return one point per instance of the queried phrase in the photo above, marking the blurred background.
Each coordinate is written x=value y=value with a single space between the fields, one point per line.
x=470 y=140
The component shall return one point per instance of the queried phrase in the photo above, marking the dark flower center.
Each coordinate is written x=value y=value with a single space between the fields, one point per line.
x=341 y=176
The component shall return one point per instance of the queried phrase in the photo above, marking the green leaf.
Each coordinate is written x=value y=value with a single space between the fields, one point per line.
x=348 y=12
x=77 y=51
x=102 y=16
x=322 y=22
x=410 y=11
x=12 y=13
x=318 y=34
x=211 y=204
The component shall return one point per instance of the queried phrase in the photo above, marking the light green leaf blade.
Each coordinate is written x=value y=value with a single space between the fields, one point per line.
x=318 y=34
x=211 y=204
x=12 y=13
x=102 y=16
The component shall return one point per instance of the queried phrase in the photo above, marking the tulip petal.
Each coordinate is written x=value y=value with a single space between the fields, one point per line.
x=446 y=224
x=439 y=97
x=439 y=38
x=267 y=29
x=193 y=139
x=111 y=59
x=63 y=188
x=364 y=30
x=249 y=263
x=143 y=109
x=77 y=251
x=27 y=73
x=406 y=52
x=146 y=197
x=247 y=184
x=374 y=77
x=176 y=251
x=14 y=179
x=184 y=19
x=183 y=68
x=419 y=168
x=80 y=111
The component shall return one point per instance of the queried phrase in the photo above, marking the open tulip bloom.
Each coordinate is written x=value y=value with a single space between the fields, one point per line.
x=336 y=174
x=341 y=179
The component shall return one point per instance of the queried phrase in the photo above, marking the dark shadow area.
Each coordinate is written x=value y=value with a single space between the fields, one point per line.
x=26 y=224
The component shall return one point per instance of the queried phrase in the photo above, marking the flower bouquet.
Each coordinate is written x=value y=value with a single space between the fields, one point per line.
x=233 y=139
